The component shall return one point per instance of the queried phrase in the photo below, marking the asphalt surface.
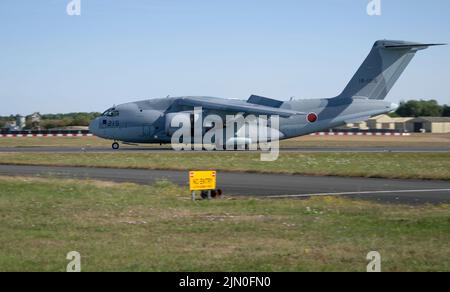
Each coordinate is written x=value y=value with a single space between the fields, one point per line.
x=138 y=149
x=264 y=185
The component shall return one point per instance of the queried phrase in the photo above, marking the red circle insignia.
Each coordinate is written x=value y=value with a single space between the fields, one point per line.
x=312 y=117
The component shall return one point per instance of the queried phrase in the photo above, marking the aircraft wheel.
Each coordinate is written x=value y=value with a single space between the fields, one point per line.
x=115 y=146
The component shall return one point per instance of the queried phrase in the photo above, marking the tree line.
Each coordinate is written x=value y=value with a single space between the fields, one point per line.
x=51 y=121
x=422 y=108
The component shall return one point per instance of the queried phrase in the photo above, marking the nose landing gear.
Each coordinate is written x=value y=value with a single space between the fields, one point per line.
x=115 y=146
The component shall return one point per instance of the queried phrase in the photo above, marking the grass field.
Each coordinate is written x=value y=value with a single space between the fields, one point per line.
x=125 y=227
x=434 y=166
x=416 y=140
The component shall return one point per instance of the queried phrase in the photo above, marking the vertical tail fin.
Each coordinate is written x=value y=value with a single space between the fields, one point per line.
x=381 y=69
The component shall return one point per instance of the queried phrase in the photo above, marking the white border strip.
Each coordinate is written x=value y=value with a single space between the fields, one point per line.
x=360 y=134
x=361 y=193
x=43 y=135
x=314 y=134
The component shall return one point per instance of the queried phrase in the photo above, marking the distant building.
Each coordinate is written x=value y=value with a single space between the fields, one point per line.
x=20 y=122
x=11 y=126
x=385 y=122
x=437 y=125
x=35 y=120
x=356 y=126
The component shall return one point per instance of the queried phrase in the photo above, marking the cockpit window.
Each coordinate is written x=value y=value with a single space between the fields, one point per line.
x=112 y=112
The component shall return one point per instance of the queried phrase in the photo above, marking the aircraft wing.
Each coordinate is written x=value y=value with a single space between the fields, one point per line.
x=236 y=106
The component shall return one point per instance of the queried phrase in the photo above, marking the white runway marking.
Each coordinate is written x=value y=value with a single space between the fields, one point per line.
x=362 y=193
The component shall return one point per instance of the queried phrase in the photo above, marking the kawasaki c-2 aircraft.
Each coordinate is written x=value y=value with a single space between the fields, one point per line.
x=150 y=121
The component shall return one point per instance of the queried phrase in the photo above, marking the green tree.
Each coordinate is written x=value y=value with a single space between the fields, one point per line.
x=81 y=121
x=420 y=108
x=446 y=111
x=67 y=120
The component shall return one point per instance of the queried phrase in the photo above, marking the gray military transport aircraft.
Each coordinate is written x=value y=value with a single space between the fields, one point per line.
x=149 y=121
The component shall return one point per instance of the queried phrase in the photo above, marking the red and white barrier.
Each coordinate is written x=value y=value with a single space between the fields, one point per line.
x=315 y=134
x=42 y=135
x=360 y=134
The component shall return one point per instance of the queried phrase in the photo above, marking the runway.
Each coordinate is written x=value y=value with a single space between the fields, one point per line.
x=164 y=149
x=414 y=192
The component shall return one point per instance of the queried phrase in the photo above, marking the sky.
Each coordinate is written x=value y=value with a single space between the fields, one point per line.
x=122 y=51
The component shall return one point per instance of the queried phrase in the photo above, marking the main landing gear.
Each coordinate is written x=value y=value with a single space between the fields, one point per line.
x=115 y=146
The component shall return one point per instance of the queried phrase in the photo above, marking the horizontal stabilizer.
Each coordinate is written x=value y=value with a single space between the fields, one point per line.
x=409 y=45
x=255 y=99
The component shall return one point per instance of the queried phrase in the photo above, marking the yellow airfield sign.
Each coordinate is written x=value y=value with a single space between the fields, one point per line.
x=202 y=180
